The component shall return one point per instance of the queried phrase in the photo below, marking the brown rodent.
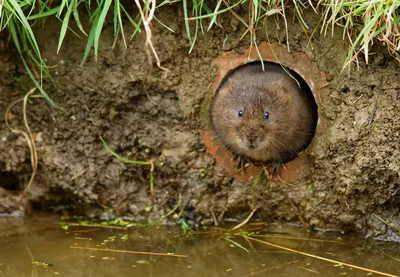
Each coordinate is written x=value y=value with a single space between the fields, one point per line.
x=264 y=115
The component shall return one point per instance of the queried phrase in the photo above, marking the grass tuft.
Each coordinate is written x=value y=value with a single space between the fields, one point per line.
x=364 y=22
x=13 y=17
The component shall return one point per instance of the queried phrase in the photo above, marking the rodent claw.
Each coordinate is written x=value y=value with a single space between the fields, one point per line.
x=276 y=169
x=242 y=163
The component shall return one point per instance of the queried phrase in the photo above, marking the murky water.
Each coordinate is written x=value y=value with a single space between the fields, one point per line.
x=40 y=247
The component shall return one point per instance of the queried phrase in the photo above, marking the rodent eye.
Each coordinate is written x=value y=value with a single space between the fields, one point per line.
x=240 y=113
x=266 y=115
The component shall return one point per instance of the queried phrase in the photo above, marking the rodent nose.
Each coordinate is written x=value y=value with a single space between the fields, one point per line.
x=252 y=135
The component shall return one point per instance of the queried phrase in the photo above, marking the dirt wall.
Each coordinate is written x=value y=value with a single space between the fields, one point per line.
x=145 y=114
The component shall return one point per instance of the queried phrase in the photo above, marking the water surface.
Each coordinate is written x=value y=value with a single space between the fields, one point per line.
x=40 y=247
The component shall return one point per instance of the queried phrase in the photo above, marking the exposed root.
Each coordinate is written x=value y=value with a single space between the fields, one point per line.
x=244 y=222
x=28 y=137
x=253 y=200
x=147 y=18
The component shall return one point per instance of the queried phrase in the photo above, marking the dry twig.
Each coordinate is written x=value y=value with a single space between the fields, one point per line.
x=130 y=252
x=321 y=258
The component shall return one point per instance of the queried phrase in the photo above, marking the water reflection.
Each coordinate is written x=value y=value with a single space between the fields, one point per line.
x=31 y=247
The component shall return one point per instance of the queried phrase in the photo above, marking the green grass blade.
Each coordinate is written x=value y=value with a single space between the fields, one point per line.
x=256 y=10
x=299 y=13
x=121 y=26
x=99 y=26
x=64 y=26
x=21 y=16
x=185 y=13
x=365 y=30
x=13 y=32
x=206 y=8
x=116 y=3
x=162 y=24
x=137 y=30
x=196 y=9
x=167 y=2
x=215 y=13
x=237 y=244
x=122 y=159
x=91 y=38
x=202 y=6
x=76 y=17
x=63 y=4
x=88 y=7
x=44 y=14
x=26 y=41
x=137 y=26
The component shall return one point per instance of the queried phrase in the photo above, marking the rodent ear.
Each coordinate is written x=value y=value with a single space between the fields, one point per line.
x=226 y=88
x=282 y=90
x=284 y=94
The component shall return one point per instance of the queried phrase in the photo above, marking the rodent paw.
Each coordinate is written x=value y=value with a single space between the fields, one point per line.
x=242 y=162
x=276 y=169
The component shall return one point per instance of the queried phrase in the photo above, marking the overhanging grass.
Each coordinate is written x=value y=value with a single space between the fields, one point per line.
x=364 y=22
x=13 y=16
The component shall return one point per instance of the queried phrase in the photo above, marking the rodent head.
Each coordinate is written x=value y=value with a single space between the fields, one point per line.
x=250 y=118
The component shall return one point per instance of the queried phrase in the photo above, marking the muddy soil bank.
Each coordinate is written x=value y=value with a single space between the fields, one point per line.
x=146 y=114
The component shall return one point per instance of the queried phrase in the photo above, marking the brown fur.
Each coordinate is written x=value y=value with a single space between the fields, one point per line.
x=292 y=113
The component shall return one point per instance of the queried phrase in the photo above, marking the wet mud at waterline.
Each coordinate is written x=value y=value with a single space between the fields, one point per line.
x=352 y=181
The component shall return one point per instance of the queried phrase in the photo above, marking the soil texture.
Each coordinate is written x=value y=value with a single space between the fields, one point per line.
x=147 y=114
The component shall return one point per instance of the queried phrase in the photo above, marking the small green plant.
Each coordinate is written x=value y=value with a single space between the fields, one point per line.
x=236 y=244
x=128 y=161
x=185 y=227
x=395 y=227
x=117 y=223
